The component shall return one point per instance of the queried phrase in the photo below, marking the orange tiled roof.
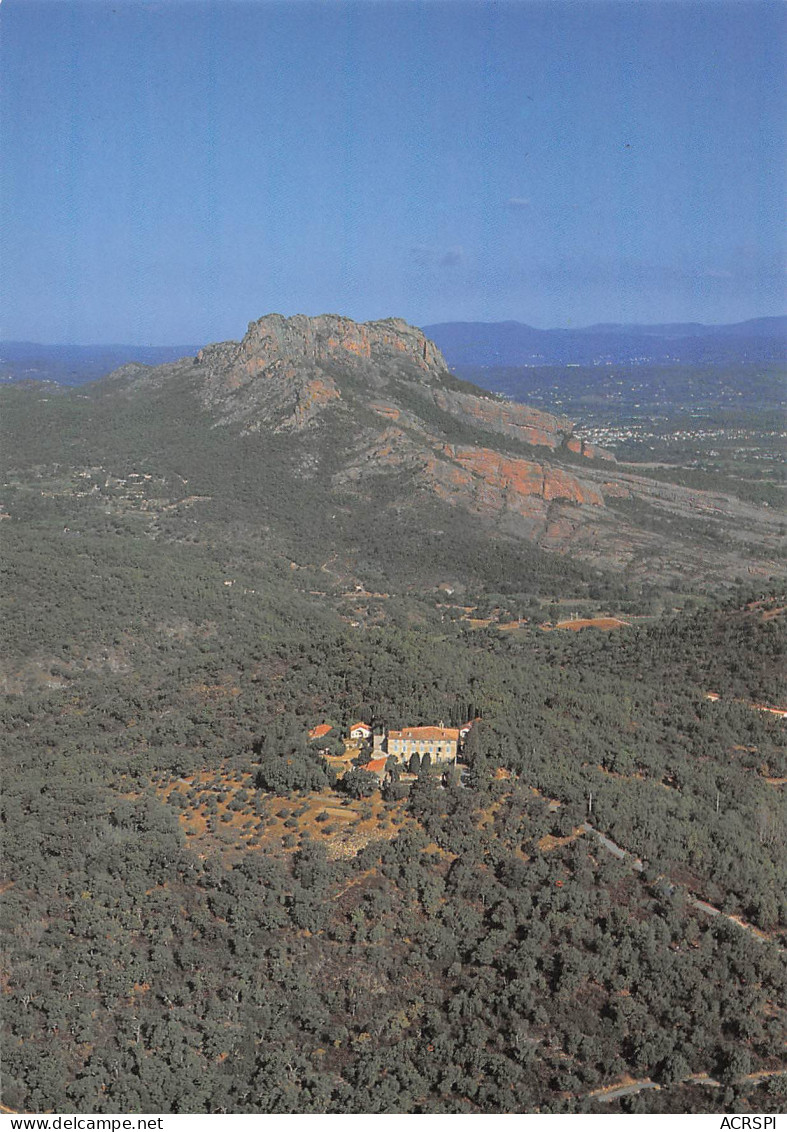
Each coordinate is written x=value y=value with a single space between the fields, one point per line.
x=320 y=730
x=375 y=766
x=441 y=734
x=365 y=726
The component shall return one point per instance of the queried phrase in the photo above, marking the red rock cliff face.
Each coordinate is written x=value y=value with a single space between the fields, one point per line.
x=303 y=341
x=379 y=399
x=479 y=480
x=334 y=338
x=590 y=451
x=506 y=417
x=286 y=371
x=515 y=477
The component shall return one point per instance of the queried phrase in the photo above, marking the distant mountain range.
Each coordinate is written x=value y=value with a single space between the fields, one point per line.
x=76 y=365
x=517 y=344
x=463 y=344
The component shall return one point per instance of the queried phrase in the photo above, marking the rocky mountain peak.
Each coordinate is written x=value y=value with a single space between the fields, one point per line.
x=286 y=370
x=326 y=339
x=371 y=404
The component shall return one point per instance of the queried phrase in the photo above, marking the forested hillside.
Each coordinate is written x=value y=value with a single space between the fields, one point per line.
x=178 y=946
x=202 y=915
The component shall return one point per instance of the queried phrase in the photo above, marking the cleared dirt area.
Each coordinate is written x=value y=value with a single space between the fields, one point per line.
x=549 y=842
x=344 y=827
x=578 y=623
x=223 y=810
x=780 y=711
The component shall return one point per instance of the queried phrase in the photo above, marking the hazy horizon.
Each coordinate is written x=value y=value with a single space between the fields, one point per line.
x=171 y=345
x=172 y=170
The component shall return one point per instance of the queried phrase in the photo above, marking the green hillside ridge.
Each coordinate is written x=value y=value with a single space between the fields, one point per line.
x=200 y=915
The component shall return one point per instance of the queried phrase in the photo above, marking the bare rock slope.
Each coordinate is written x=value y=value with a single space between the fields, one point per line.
x=381 y=394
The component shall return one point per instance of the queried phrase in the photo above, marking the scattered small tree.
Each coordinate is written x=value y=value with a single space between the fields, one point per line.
x=359 y=783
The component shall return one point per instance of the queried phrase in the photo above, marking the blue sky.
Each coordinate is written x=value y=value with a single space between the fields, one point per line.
x=171 y=170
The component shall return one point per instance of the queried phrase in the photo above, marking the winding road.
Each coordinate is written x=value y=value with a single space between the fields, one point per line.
x=701 y=905
x=627 y=1089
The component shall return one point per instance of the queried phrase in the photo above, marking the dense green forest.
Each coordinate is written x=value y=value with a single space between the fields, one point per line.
x=200 y=916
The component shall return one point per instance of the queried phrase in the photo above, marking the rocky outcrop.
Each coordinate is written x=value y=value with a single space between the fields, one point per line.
x=506 y=417
x=332 y=338
x=480 y=480
x=365 y=400
x=589 y=451
x=285 y=371
x=511 y=478
x=566 y=509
